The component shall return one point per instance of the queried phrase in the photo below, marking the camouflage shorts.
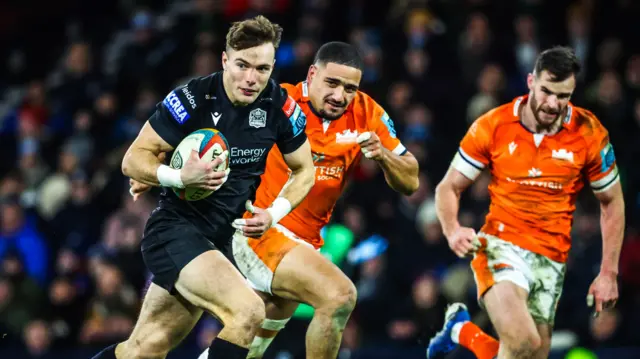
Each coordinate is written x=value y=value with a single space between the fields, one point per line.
x=541 y=277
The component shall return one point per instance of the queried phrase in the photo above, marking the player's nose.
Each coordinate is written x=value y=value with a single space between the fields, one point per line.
x=251 y=77
x=337 y=95
x=552 y=102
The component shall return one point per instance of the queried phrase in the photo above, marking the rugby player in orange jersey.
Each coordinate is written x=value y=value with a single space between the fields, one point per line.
x=540 y=149
x=284 y=265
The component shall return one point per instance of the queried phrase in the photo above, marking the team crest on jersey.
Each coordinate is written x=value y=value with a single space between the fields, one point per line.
x=347 y=136
x=258 y=118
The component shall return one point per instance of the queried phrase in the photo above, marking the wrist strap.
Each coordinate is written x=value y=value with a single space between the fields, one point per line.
x=279 y=209
x=169 y=177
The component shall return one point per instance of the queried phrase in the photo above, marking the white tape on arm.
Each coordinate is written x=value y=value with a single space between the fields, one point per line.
x=279 y=209
x=169 y=177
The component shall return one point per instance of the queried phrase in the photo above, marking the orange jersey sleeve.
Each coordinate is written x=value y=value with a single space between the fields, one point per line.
x=474 y=153
x=601 y=169
x=379 y=122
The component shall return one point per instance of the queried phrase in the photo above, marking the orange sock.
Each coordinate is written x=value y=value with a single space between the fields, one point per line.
x=480 y=343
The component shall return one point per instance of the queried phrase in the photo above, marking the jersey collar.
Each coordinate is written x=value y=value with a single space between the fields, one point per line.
x=567 y=121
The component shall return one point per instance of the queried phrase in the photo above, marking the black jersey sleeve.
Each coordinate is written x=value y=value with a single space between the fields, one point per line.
x=292 y=123
x=175 y=116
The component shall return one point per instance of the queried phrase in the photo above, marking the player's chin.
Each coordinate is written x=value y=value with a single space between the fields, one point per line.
x=247 y=97
x=333 y=113
x=547 y=119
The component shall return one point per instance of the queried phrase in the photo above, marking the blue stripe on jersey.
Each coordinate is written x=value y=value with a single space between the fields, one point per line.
x=389 y=123
x=298 y=121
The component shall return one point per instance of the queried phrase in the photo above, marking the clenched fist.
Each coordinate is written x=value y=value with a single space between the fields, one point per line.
x=464 y=241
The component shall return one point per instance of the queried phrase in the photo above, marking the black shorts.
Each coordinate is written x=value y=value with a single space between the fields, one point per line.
x=168 y=245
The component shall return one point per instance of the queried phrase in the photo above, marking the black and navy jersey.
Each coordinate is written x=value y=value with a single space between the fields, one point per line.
x=251 y=130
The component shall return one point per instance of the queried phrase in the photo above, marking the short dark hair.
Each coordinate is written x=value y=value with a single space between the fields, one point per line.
x=560 y=61
x=253 y=32
x=339 y=53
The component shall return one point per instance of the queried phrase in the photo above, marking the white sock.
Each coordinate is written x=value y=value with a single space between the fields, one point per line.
x=455 y=332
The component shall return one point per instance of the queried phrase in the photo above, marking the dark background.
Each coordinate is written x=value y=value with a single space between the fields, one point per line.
x=79 y=78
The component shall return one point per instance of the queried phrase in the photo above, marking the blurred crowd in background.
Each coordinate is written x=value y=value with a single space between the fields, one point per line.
x=79 y=78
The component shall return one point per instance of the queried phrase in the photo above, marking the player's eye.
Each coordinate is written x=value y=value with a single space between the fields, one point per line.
x=241 y=65
x=263 y=69
x=332 y=84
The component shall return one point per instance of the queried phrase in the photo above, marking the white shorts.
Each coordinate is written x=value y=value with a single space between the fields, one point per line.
x=258 y=258
x=541 y=277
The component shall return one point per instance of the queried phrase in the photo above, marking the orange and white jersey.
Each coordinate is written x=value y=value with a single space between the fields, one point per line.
x=335 y=153
x=536 y=178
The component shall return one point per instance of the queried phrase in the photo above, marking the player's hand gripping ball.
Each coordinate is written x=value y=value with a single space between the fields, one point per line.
x=203 y=158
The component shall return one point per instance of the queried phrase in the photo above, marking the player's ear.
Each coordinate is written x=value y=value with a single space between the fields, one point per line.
x=531 y=79
x=225 y=58
x=313 y=69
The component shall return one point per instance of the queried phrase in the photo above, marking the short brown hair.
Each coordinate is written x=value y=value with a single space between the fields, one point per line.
x=253 y=32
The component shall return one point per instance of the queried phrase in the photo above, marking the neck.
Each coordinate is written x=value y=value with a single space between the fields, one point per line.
x=529 y=121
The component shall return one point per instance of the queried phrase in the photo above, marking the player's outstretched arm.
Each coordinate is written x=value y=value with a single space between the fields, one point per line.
x=303 y=175
x=448 y=193
x=604 y=289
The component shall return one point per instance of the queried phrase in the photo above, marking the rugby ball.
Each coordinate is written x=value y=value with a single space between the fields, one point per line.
x=210 y=143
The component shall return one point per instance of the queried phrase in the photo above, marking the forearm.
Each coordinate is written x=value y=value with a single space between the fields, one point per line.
x=142 y=166
x=298 y=186
x=292 y=193
x=447 y=207
x=400 y=172
x=612 y=221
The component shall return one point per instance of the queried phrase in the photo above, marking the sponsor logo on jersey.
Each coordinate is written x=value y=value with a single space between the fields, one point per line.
x=535 y=183
x=289 y=106
x=243 y=156
x=173 y=104
x=189 y=96
x=324 y=173
x=389 y=123
x=298 y=120
x=608 y=157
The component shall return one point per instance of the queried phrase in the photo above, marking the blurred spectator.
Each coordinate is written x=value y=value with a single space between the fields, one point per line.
x=78 y=87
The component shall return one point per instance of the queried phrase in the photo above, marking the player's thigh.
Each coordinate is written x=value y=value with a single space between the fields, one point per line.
x=281 y=264
x=164 y=321
x=506 y=304
x=504 y=279
x=305 y=275
x=212 y=283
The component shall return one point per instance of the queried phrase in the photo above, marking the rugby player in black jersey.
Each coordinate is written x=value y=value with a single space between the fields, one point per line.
x=184 y=241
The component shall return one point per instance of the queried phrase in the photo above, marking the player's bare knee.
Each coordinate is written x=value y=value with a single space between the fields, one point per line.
x=153 y=345
x=249 y=319
x=340 y=302
x=525 y=346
